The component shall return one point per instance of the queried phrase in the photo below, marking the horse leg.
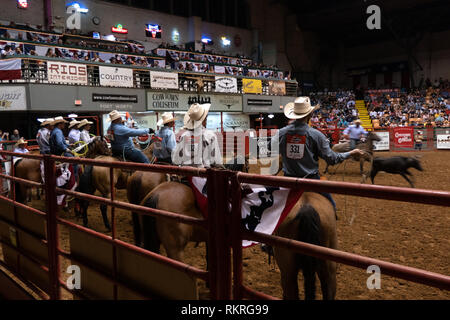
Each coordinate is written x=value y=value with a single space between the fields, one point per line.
x=407 y=179
x=327 y=276
x=136 y=229
x=150 y=237
x=287 y=262
x=104 y=210
x=373 y=173
x=309 y=275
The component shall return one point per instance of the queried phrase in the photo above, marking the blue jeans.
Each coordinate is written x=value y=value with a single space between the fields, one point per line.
x=353 y=143
x=132 y=155
x=325 y=194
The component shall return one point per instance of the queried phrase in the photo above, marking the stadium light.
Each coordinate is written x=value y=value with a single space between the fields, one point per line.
x=22 y=4
x=225 y=41
x=271 y=116
x=79 y=8
x=206 y=40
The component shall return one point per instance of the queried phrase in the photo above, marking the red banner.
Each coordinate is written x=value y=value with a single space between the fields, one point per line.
x=404 y=137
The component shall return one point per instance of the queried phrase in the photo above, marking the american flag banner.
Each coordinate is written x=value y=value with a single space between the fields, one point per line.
x=263 y=209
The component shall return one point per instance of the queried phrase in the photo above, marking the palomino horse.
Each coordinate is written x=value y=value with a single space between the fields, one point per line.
x=366 y=146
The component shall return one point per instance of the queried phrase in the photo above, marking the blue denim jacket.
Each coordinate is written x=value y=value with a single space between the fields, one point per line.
x=167 y=145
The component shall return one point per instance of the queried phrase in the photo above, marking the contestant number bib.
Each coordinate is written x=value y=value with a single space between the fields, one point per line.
x=295 y=145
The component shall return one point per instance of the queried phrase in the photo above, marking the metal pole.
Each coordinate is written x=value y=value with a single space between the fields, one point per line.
x=52 y=227
x=236 y=238
x=113 y=227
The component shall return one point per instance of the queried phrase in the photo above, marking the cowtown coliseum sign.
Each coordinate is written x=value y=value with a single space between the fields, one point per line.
x=171 y=101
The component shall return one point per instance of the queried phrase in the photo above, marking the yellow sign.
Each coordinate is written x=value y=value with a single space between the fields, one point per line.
x=252 y=86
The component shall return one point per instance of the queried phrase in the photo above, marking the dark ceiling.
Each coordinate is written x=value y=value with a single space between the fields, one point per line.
x=344 y=21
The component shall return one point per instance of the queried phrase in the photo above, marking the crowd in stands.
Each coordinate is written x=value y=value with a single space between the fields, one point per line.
x=428 y=105
x=131 y=53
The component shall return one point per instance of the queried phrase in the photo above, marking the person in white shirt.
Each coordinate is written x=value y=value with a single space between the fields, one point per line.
x=84 y=128
x=198 y=147
x=43 y=136
x=74 y=133
x=20 y=147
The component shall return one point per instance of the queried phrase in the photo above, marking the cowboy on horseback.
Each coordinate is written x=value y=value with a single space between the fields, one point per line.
x=121 y=142
x=355 y=133
x=43 y=136
x=84 y=126
x=198 y=146
x=302 y=145
x=74 y=133
x=163 y=150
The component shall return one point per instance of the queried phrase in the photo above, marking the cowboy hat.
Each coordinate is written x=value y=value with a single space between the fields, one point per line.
x=195 y=115
x=114 y=115
x=21 y=141
x=47 y=121
x=83 y=123
x=165 y=118
x=58 y=120
x=299 y=109
x=358 y=121
x=73 y=123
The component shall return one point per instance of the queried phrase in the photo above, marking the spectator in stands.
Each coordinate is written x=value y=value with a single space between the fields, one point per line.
x=15 y=136
x=50 y=53
x=7 y=51
x=18 y=51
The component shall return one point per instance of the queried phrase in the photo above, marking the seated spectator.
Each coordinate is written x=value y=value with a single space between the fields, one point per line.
x=7 y=51
x=50 y=53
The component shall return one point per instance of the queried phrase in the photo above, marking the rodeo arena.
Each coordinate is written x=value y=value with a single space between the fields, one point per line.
x=224 y=150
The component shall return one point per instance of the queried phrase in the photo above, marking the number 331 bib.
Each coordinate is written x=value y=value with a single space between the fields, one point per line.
x=295 y=146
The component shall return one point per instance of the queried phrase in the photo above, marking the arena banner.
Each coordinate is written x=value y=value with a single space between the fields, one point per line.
x=116 y=77
x=277 y=88
x=252 y=86
x=67 y=73
x=12 y=98
x=403 y=137
x=174 y=101
x=219 y=69
x=163 y=80
x=383 y=144
x=443 y=141
x=226 y=84
x=262 y=104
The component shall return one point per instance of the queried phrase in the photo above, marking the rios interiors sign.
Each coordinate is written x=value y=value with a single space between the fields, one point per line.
x=172 y=101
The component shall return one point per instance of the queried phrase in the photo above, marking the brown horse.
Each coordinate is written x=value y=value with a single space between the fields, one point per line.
x=30 y=169
x=366 y=146
x=311 y=220
x=139 y=185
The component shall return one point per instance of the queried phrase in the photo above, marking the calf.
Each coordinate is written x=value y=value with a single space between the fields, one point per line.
x=395 y=165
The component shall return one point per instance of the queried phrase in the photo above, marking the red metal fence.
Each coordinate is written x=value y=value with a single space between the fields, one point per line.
x=224 y=228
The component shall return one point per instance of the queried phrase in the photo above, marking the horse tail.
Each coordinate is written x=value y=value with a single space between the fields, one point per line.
x=133 y=193
x=309 y=231
x=150 y=233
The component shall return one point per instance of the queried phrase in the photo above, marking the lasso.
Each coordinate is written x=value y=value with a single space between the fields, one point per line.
x=81 y=149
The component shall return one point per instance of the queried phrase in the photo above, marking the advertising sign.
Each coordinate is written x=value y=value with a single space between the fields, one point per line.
x=403 y=137
x=252 y=86
x=163 y=80
x=226 y=84
x=383 y=144
x=116 y=77
x=443 y=141
x=67 y=73
x=277 y=88
x=12 y=98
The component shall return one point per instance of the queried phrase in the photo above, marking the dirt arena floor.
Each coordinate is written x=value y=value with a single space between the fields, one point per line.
x=409 y=234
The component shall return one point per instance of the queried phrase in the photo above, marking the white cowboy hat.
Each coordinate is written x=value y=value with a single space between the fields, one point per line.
x=47 y=121
x=83 y=123
x=73 y=123
x=114 y=115
x=21 y=141
x=165 y=118
x=58 y=120
x=195 y=115
x=299 y=109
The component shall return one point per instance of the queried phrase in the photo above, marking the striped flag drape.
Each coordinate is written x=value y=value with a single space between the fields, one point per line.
x=10 y=69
